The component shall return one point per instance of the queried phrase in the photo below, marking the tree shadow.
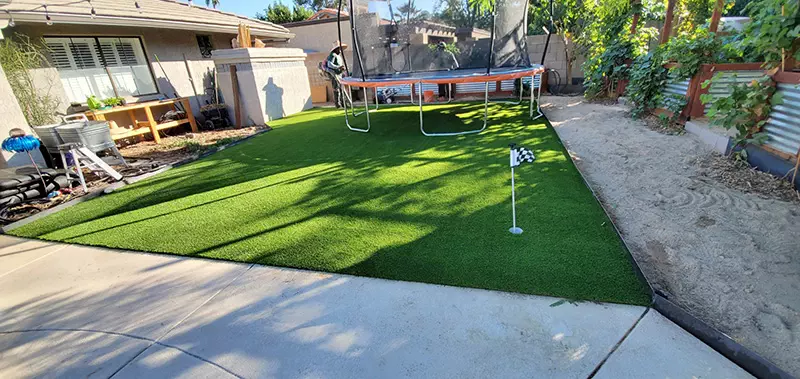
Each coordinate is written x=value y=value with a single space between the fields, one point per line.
x=390 y=203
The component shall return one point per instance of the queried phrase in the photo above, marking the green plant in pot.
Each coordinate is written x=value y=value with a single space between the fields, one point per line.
x=114 y=101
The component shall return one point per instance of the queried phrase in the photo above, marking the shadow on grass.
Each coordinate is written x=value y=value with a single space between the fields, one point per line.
x=390 y=203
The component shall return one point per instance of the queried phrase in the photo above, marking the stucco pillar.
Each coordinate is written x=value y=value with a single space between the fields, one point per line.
x=273 y=82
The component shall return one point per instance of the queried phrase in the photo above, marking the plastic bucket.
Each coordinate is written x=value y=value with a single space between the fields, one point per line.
x=428 y=96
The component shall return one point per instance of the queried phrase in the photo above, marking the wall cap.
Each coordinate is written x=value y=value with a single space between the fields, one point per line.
x=256 y=54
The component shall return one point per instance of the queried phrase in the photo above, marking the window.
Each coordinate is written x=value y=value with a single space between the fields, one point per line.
x=87 y=66
x=204 y=42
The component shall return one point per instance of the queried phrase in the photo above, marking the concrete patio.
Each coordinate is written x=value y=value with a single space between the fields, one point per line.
x=76 y=311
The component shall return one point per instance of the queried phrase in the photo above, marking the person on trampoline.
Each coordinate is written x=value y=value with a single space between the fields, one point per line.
x=444 y=58
x=334 y=67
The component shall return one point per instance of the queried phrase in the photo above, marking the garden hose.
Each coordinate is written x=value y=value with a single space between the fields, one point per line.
x=554 y=89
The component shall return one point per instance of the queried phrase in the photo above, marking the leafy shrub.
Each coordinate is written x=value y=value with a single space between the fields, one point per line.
x=690 y=50
x=746 y=109
x=604 y=70
x=673 y=103
x=647 y=78
x=773 y=29
x=18 y=56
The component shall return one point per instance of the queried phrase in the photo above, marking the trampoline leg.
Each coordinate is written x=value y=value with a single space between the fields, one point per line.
x=365 y=96
x=450 y=93
x=538 y=96
x=485 y=117
x=347 y=119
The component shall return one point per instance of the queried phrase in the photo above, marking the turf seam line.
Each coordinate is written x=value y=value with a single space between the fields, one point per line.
x=618 y=344
x=35 y=260
x=157 y=340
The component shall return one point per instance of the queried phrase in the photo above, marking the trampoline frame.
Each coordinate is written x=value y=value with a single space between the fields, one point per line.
x=376 y=84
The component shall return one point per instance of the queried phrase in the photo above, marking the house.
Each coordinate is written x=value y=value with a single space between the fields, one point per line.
x=139 y=49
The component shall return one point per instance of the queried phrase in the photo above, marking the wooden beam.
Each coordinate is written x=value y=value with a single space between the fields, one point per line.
x=668 y=22
x=153 y=125
x=636 y=13
x=189 y=115
x=716 y=16
x=237 y=108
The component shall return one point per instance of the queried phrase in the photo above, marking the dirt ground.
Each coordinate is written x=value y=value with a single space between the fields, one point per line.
x=142 y=157
x=729 y=257
x=182 y=146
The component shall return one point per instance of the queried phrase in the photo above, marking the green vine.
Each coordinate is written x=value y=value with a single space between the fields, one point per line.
x=18 y=56
x=647 y=78
x=611 y=45
x=773 y=30
x=674 y=104
x=746 y=110
x=691 y=50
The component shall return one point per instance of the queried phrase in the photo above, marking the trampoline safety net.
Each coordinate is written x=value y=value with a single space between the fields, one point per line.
x=417 y=36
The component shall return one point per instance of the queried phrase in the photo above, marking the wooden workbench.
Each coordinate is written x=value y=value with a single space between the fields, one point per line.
x=150 y=125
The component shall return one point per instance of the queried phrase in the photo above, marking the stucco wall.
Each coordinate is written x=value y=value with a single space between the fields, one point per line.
x=169 y=45
x=12 y=118
x=321 y=38
x=272 y=82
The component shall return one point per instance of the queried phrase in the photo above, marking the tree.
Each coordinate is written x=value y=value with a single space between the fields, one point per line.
x=408 y=12
x=570 y=21
x=280 y=13
x=316 y=5
x=212 y=3
x=461 y=13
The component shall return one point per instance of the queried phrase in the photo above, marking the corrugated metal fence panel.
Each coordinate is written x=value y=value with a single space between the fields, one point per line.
x=783 y=126
x=508 y=85
x=430 y=87
x=474 y=87
x=721 y=86
x=402 y=90
x=676 y=87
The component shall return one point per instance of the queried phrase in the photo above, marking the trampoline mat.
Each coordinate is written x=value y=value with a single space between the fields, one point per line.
x=475 y=75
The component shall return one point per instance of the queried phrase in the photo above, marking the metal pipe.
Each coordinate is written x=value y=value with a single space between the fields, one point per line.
x=485 y=117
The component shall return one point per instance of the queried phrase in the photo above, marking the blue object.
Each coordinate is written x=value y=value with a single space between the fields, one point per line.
x=21 y=144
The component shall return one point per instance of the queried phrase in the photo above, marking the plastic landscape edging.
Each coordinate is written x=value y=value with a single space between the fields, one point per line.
x=742 y=356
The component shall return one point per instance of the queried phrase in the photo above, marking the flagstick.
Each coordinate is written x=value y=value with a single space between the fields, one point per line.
x=514 y=229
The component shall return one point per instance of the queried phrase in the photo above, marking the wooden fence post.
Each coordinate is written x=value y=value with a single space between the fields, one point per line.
x=668 y=22
x=715 y=17
x=636 y=13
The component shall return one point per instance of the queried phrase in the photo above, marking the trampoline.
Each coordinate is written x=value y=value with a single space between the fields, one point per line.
x=405 y=45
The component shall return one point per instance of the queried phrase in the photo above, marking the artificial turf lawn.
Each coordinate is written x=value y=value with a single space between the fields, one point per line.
x=390 y=203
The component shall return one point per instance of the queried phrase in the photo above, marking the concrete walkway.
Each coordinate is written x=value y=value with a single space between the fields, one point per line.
x=76 y=311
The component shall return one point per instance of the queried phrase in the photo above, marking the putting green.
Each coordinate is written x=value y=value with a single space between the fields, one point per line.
x=390 y=204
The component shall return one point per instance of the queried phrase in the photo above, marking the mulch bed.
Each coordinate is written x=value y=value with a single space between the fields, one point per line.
x=654 y=123
x=740 y=176
x=143 y=157
x=174 y=149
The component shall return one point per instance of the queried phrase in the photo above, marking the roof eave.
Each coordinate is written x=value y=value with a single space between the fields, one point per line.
x=141 y=22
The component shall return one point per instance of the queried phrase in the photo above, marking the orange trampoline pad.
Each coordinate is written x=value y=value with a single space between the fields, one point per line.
x=443 y=77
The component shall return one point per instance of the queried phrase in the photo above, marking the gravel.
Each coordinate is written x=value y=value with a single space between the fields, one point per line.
x=726 y=254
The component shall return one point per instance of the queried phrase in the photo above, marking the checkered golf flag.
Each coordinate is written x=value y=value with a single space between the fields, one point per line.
x=520 y=155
